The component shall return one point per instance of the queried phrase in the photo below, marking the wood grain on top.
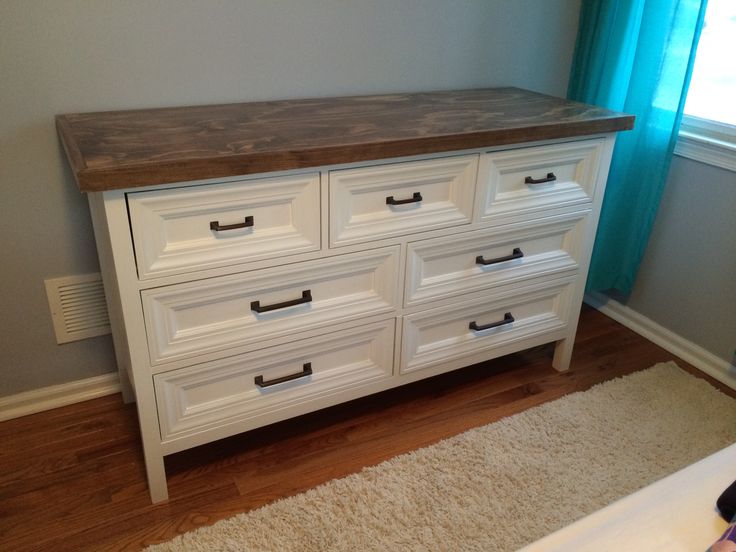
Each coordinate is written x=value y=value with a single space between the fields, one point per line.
x=121 y=149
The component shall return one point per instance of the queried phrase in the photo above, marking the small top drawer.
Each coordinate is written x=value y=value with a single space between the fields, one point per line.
x=197 y=227
x=523 y=182
x=385 y=201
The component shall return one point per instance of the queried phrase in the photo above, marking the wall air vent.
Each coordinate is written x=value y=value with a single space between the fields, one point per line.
x=78 y=307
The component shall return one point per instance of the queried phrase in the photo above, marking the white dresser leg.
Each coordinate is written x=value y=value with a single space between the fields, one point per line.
x=563 y=348
x=563 y=354
x=150 y=436
x=156 y=478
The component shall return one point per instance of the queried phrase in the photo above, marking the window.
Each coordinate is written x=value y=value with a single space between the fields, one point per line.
x=708 y=131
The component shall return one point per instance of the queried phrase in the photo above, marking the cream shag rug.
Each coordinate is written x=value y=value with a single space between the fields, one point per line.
x=501 y=486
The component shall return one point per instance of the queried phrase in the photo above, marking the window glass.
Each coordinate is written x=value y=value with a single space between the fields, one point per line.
x=712 y=93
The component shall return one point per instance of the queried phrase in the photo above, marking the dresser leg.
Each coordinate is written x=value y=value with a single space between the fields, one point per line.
x=156 y=478
x=563 y=354
x=152 y=453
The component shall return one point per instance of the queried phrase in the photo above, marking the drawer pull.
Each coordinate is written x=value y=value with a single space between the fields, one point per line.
x=215 y=225
x=516 y=254
x=415 y=198
x=305 y=298
x=306 y=371
x=507 y=319
x=550 y=178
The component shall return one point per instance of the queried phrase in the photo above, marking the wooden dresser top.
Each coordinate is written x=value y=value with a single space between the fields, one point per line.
x=122 y=149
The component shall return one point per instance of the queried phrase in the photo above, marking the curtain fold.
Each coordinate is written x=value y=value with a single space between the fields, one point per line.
x=634 y=56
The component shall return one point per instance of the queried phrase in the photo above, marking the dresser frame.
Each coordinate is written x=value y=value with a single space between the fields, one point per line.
x=112 y=227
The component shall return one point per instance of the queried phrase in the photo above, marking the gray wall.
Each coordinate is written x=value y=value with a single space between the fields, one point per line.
x=687 y=281
x=62 y=56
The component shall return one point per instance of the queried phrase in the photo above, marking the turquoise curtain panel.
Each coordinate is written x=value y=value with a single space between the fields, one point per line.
x=634 y=56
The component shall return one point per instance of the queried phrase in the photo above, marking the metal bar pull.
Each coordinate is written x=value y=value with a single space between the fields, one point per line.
x=507 y=319
x=306 y=371
x=415 y=198
x=550 y=178
x=217 y=227
x=516 y=254
x=305 y=298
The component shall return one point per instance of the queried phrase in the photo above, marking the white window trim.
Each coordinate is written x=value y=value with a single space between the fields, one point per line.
x=707 y=141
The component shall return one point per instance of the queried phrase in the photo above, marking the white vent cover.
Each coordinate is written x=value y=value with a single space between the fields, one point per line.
x=78 y=307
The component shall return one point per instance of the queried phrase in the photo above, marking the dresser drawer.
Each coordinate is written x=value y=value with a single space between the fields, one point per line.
x=464 y=263
x=191 y=228
x=274 y=383
x=440 y=335
x=242 y=310
x=525 y=182
x=373 y=203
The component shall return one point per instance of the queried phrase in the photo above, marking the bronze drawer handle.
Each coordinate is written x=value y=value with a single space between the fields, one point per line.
x=550 y=178
x=306 y=371
x=516 y=254
x=415 y=198
x=215 y=225
x=305 y=298
x=507 y=319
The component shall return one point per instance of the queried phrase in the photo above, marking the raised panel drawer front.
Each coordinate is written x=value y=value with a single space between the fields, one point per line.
x=198 y=227
x=439 y=335
x=463 y=263
x=373 y=203
x=526 y=182
x=272 y=381
x=195 y=318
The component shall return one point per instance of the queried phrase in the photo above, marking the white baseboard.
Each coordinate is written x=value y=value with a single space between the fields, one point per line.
x=46 y=398
x=693 y=354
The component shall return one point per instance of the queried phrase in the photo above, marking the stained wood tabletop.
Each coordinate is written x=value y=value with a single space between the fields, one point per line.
x=122 y=149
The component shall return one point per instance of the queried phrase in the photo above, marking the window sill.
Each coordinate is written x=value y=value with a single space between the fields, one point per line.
x=707 y=142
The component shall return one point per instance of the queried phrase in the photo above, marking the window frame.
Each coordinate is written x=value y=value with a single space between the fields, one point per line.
x=707 y=141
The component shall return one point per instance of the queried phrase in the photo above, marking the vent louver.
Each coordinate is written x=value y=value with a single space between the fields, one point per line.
x=78 y=307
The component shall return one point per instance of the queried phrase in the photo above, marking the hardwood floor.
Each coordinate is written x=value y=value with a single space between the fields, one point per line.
x=73 y=478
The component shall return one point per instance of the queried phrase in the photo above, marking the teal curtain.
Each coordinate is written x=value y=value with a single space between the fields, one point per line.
x=634 y=56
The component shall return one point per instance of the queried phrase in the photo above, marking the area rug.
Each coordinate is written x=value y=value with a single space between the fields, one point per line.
x=501 y=486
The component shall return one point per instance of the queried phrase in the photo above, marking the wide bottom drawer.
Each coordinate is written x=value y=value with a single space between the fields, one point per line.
x=487 y=321
x=272 y=384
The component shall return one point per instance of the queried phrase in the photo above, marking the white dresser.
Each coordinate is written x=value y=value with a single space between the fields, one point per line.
x=251 y=297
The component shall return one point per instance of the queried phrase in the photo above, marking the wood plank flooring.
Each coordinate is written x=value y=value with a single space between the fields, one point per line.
x=73 y=478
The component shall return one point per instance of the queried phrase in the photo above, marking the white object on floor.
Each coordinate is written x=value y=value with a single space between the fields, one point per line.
x=676 y=514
